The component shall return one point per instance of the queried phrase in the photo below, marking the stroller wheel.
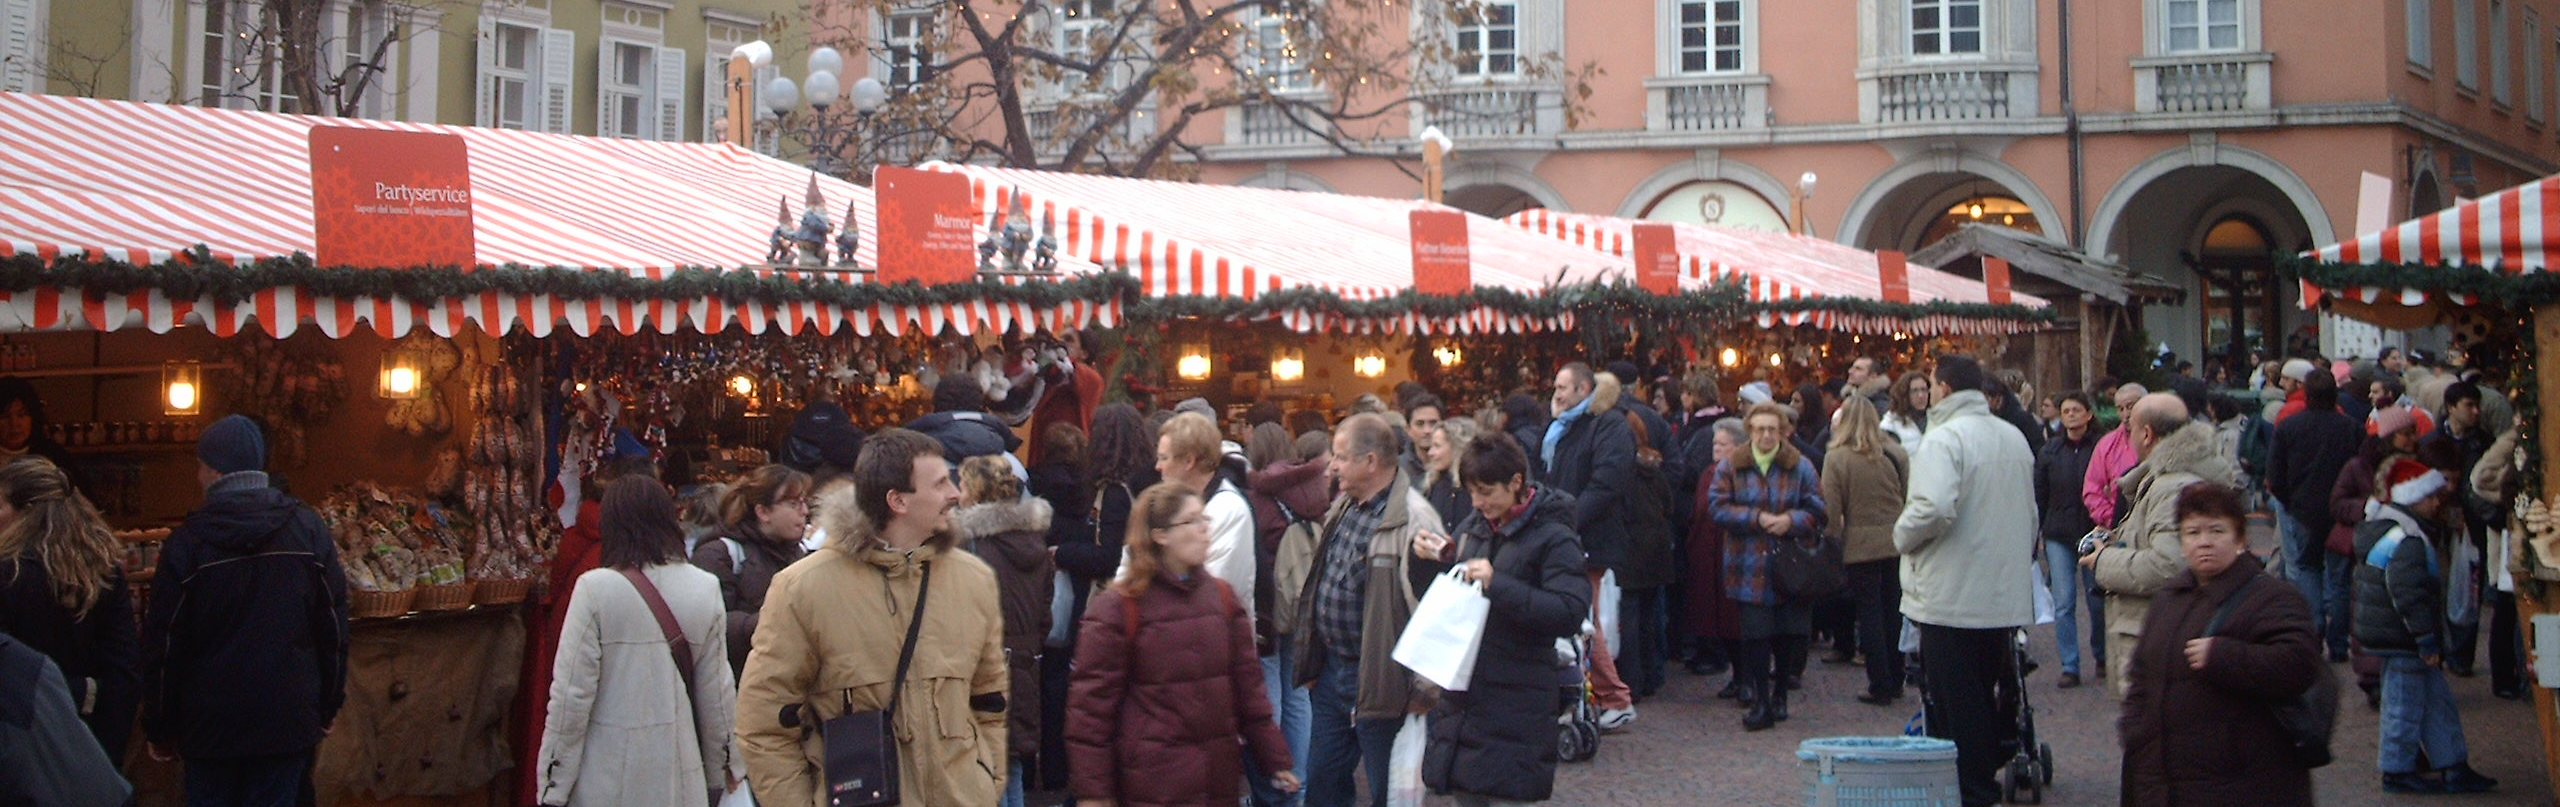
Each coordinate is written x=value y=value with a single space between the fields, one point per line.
x=2044 y=761
x=2018 y=783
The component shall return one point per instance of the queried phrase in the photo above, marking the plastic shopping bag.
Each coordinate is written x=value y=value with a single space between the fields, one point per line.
x=1440 y=642
x=2044 y=596
x=1606 y=601
x=2461 y=586
x=741 y=797
x=1404 y=764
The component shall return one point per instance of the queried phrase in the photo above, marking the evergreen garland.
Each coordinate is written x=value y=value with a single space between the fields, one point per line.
x=2522 y=289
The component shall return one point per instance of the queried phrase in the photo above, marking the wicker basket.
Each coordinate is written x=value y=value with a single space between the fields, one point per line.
x=362 y=604
x=445 y=597
x=500 y=592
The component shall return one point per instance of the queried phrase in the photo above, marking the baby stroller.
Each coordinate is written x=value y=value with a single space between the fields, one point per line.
x=1578 y=726
x=2030 y=768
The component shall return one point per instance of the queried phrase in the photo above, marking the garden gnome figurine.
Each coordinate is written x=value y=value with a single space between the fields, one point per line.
x=779 y=250
x=1017 y=236
x=1044 y=256
x=812 y=235
x=848 y=240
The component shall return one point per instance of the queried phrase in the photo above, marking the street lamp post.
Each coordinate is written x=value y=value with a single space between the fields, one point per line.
x=1795 y=203
x=824 y=135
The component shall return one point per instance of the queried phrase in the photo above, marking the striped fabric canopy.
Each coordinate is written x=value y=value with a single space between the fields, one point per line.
x=2509 y=231
x=1782 y=266
x=1182 y=238
x=142 y=182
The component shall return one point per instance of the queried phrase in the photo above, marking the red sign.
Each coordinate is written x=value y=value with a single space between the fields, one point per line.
x=390 y=199
x=1658 y=258
x=924 y=226
x=1895 y=276
x=1995 y=279
x=1440 y=262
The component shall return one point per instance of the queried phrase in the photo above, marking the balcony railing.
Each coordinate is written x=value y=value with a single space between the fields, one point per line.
x=1707 y=103
x=1055 y=126
x=1485 y=112
x=2230 y=82
x=1270 y=124
x=1942 y=95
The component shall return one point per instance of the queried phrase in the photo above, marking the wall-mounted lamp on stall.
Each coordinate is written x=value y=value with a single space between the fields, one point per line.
x=742 y=386
x=1369 y=364
x=1777 y=360
x=1730 y=357
x=1288 y=366
x=401 y=378
x=1194 y=364
x=1448 y=355
x=181 y=388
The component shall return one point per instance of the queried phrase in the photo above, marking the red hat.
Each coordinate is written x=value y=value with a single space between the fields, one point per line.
x=2412 y=482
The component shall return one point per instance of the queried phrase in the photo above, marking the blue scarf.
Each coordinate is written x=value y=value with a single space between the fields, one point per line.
x=1555 y=431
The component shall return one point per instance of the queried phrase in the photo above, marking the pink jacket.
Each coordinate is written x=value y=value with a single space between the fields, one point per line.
x=2114 y=456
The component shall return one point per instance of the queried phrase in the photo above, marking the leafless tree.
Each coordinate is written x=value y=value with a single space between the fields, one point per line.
x=1116 y=86
x=292 y=56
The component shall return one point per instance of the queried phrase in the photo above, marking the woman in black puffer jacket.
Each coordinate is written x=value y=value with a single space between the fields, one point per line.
x=1497 y=739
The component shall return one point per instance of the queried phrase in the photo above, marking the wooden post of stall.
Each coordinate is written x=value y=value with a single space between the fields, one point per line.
x=1435 y=155
x=2532 y=598
x=742 y=101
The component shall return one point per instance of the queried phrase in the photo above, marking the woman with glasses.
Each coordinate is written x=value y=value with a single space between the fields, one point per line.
x=762 y=519
x=1166 y=683
x=1909 y=414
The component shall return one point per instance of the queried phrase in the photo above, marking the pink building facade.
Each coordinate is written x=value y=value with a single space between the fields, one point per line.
x=2195 y=140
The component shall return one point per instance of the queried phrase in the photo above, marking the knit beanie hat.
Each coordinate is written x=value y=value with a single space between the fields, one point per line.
x=2298 y=369
x=1198 y=405
x=232 y=445
x=2390 y=420
x=2412 y=482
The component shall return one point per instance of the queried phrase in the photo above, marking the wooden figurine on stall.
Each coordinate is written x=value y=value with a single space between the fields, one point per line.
x=848 y=241
x=778 y=251
x=812 y=235
x=1044 y=257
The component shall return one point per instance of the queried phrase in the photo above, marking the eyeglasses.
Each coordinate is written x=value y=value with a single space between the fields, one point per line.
x=1183 y=523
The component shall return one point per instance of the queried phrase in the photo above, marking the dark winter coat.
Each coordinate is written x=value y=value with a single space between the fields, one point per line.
x=1012 y=537
x=1280 y=494
x=1595 y=462
x=1155 y=717
x=2016 y=415
x=1740 y=492
x=96 y=651
x=2349 y=499
x=1712 y=615
x=1497 y=738
x=2309 y=450
x=1091 y=557
x=2210 y=736
x=1648 y=561
x=967 y=434
x=743 y=580
x=2060 y=468
x=244 y=651
x=1531 y=435
x=1448 y=498
x=51 y=760
x=1692 y=457
x=2399 y=588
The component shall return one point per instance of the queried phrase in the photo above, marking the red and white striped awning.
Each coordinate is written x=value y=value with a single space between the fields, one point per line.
x=1776 y=267
x=142 y=182
x=1226 y=241
x=2511 y=231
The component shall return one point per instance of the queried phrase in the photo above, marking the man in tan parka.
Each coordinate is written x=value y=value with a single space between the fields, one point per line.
x=2143 y=553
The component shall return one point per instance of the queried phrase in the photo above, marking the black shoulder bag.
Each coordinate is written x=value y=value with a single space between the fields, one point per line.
x=862 y=747
x=2309 y=718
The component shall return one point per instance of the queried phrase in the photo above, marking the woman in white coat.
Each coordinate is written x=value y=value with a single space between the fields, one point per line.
x=623 y=728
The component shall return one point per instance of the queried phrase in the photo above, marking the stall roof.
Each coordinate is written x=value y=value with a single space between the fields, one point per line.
x=1778 y=266
x=1182 y=238
x=141 y=182
x=2511 y=231
x=2052 y=260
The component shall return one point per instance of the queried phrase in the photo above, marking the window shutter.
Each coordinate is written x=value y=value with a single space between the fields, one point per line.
x=19 y=41
x=485 y=82
x=607 y=124
x=715 y=98
x=670 y=93
x=559 y=48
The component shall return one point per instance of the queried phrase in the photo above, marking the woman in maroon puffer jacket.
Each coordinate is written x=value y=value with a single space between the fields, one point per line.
x=1166 y=680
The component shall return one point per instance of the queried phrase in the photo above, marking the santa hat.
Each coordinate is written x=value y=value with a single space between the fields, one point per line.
x=2412 y=482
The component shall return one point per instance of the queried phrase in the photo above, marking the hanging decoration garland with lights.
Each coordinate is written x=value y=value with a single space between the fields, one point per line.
x=2523 y=290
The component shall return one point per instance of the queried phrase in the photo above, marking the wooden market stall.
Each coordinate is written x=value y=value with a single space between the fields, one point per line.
x=2100 y=299
x=2484 y=268
x=419 y=377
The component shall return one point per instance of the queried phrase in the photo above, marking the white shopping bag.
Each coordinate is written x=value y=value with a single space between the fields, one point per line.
x=2461 y=587
x=2044 y=596
x=1404 y=764
x=741 y=797
x=1448 y=624
x=1606 y=600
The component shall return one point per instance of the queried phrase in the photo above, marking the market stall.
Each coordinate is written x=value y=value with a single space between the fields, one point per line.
x=414 y=313
x=2483 y=268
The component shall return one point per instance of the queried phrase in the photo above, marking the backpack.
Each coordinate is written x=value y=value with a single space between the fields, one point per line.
x=2257 y=443
x=2309 y=718
x=1290 y=565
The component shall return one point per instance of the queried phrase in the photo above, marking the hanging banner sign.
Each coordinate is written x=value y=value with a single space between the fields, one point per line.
x=1895 y=276
x=1440 y=261
x=390 y=199
x=1657 y=258
x=1995 y=280
x=924 y=229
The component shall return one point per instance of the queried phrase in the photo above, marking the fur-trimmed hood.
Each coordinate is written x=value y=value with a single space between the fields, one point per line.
x=977 y=521
x=1606 y=389
x=2191 y=449
x=850 y=532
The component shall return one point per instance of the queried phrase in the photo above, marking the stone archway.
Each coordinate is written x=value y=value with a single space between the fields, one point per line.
x=2235 y=303
x=1895 y=208
x=2110 y=214
x=1498 y=190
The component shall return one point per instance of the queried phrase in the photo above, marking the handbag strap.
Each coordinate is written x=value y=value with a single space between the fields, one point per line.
x=2224 y=610
x=907 y=651
x=677 y=645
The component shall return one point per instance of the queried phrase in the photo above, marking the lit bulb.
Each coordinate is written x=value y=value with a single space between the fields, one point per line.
x=1730 y=357
x=182 y=396
x=2008 y=219
x=1776 y=360
x=1975 y=210
x=1369 y=366
x=1193 y=367
x=401 y=380
x=742 y=386
x=1288 y=368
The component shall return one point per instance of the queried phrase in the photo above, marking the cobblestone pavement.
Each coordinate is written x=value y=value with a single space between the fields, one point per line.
x=1687 y=748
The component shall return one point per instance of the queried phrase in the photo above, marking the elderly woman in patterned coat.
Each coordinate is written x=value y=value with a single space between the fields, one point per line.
x=1764 y=492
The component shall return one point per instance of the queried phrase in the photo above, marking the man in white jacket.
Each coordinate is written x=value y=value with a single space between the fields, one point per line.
x=1967 y=536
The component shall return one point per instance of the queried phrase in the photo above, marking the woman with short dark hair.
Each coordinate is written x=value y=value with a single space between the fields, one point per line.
x=626 y=726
